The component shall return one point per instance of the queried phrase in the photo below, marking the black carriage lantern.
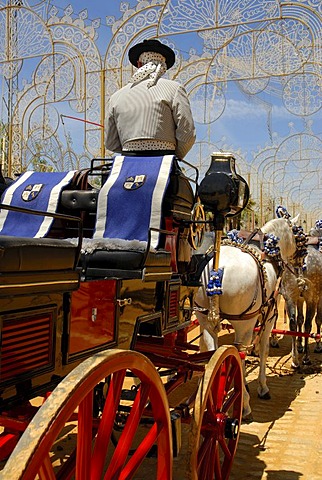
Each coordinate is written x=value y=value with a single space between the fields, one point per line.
x=222 y=191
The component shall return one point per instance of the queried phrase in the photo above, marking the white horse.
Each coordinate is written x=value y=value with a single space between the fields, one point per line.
x=299 y=288
x=249 y=284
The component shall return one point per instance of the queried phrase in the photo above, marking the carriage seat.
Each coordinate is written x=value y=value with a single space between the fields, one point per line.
x=146 y=265
x=18 y=254
x=82 y=200
x=179 y=197
x=123 y=263
x=177 y=203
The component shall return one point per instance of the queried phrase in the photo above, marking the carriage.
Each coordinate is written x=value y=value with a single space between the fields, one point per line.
x=96 y=339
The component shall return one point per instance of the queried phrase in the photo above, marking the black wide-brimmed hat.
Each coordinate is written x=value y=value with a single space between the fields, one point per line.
x=152 y=46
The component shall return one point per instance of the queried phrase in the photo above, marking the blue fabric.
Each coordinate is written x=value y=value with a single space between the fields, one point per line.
x=130 y=201
x=214 y=286
x=36 y=191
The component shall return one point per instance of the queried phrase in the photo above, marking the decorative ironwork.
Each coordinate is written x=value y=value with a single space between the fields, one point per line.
x=54 y=62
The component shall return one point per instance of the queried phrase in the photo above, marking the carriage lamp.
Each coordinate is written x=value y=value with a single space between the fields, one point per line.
x=222 y=191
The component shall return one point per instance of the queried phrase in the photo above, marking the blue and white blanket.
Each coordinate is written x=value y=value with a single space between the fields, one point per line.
x=130 y=201
x=36 y=191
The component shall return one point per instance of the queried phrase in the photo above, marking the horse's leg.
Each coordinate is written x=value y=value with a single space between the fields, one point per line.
x=243 y=340
x=300 y=321
x=310 y=311
x=263 y=390
x=318 y=321
x=291 y=312
x=274 y=337
x=208 y=339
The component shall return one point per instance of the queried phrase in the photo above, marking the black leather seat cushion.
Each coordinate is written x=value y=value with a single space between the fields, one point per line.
x=126 y=260
x=19 y=254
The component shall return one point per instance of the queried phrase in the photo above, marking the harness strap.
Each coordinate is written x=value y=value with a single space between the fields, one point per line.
x=246 y=314
x=227 y=316
x=256 y=231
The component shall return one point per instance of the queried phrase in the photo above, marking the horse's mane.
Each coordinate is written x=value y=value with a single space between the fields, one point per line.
x=282 y=228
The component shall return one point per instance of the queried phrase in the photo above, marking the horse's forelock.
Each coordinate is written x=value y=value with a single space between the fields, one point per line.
x=282 y=228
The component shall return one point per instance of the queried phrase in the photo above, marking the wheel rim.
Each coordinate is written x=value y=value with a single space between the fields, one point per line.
x=197 y=230
x=88 y=460
x=216 y=418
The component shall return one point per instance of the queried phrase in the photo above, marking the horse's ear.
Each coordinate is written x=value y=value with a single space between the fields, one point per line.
x=295 y=219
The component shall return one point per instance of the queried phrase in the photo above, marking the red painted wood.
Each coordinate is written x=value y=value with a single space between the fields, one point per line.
x=92 y=315
x=75 y=393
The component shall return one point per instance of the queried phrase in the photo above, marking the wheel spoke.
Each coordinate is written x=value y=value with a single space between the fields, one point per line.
x=211 y=461
x=231 y=400
x=106 y=425
x=130 y=429
x=231 y=375
x=225 y=449
x=218 y=408
x=211 y=407
x=46 y=471
x=203 y=452
x=84 y=438
x=140 y=453
x=220 y=386
x=206 y=460
x=218 y=469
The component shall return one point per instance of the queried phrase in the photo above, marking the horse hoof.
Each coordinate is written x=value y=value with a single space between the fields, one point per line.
x=248 y=419
x=266 y=396
x=295 y=366
x=253 y=353
x=306 y=361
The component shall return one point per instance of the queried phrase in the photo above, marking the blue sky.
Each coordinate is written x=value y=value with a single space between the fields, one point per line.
x=244 y=124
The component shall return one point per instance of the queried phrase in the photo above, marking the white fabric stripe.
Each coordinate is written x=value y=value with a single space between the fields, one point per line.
x=52 y=204
x=8 y=194
x=157 y=197
x=103 y=194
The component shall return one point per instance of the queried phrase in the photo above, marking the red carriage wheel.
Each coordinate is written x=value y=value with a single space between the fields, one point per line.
x=93 y=456
x=214 y=429
x=197 y=230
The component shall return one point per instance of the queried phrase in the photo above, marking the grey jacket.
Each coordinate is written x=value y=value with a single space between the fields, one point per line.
x=161 y=112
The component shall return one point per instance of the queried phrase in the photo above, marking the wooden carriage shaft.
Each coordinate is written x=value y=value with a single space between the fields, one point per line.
x=217 y=245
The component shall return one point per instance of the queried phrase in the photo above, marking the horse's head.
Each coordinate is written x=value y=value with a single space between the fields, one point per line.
x=282 y=229
x=316 y=231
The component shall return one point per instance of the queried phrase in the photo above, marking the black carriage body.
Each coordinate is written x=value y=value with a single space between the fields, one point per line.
x=54 y=315
x=59 y=307
x=45 y=335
